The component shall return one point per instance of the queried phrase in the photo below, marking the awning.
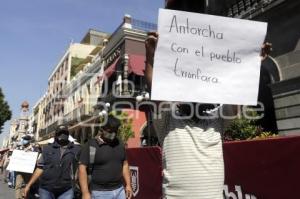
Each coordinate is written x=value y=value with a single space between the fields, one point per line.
x=136 y=64
x=108 y=71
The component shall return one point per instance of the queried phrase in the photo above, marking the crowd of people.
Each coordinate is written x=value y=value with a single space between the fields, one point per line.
x=13 y=179
x=65 y=170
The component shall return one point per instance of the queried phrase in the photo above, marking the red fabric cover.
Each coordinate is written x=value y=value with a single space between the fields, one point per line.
x=267 y=169
x=148 y=161
x=136 y=64
x=108 y=71
x=259 y=169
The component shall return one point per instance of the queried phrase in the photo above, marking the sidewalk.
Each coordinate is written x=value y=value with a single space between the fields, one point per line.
x=5 y=192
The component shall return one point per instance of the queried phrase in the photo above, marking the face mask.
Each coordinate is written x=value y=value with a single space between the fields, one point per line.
x=108 y=136
x=63 y=139
x=25 y=142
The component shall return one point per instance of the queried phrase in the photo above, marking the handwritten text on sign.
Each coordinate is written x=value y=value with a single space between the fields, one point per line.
x=22 y=161
x=205 y=58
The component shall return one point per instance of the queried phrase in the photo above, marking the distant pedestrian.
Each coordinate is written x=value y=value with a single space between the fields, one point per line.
x=1 y=163
x=108 y=166
x=9 y=175
x=56 y=168
x=23 y=178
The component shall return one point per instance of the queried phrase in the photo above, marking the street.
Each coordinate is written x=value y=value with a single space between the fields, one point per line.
x=5 y=192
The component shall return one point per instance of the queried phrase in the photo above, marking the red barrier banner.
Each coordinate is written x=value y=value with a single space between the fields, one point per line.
x=262 y=169
x=146 y=172
x=258 y=169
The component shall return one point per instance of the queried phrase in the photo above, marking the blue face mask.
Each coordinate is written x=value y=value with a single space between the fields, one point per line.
x=25 y=142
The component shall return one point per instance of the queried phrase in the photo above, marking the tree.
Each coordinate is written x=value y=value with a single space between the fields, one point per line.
x=125 y=130
x=5 y=113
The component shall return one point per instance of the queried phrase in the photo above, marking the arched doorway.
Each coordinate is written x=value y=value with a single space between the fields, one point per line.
x=269 y=74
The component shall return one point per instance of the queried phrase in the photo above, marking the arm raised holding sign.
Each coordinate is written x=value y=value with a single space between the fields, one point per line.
x=150 y=45
x=266 y=49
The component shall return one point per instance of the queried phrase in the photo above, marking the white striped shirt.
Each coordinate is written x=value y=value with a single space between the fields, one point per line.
x=193 y=166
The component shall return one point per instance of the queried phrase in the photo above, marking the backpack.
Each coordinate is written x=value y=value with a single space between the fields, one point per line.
x=77 y=191
x=92 y=153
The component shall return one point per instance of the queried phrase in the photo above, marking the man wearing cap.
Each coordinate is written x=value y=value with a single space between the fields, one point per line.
x=56 y=168
x=110 y=178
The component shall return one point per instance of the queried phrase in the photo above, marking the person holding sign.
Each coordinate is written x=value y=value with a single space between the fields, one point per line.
x=23 y=178
x=189 y=133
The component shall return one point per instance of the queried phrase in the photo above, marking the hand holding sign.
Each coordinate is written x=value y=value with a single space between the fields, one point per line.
x=150 y=45
x=205 y=58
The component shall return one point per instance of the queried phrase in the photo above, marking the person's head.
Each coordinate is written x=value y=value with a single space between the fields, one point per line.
x=62 y=135
x=214 y=7
x=26 y=140
x=110 y=129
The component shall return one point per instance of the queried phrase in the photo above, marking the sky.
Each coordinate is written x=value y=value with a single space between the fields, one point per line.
x=34 y=35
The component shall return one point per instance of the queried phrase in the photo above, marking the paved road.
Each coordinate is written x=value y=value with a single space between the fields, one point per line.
x=5 y=192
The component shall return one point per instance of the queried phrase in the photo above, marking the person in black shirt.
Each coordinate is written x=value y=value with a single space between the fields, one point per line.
x=109 y=168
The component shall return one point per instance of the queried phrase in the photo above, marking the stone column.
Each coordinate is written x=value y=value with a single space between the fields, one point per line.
x=127 y=21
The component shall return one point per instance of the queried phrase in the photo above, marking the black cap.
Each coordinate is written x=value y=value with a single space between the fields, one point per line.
x=61 y=129
x=112 y=124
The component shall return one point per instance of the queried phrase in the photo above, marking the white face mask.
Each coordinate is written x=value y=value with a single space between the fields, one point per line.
x=109 y=136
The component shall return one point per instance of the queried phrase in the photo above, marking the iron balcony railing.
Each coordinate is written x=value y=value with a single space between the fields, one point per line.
x=245 y=8
x=50 y=129
x=78 y=114
x=143 y=25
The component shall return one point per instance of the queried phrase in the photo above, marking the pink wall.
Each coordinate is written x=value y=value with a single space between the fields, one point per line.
x=139 y=121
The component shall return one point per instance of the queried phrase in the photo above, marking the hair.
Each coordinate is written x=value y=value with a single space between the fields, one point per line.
x=214 y=7
x=112 y=123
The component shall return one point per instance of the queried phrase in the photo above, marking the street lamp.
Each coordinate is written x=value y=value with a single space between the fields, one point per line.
x=143 y=96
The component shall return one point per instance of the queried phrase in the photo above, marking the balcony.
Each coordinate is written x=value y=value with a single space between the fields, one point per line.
x=77 y=115
x=143 y=25
x=247 y=9
x=48 y=131
x=126 y=100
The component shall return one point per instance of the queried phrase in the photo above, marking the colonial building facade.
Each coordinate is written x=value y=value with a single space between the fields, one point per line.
x=110 y=69
x=280 y=73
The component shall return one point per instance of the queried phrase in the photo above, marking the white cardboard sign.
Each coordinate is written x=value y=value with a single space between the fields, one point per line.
x=22 y=161
x=207 y=59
